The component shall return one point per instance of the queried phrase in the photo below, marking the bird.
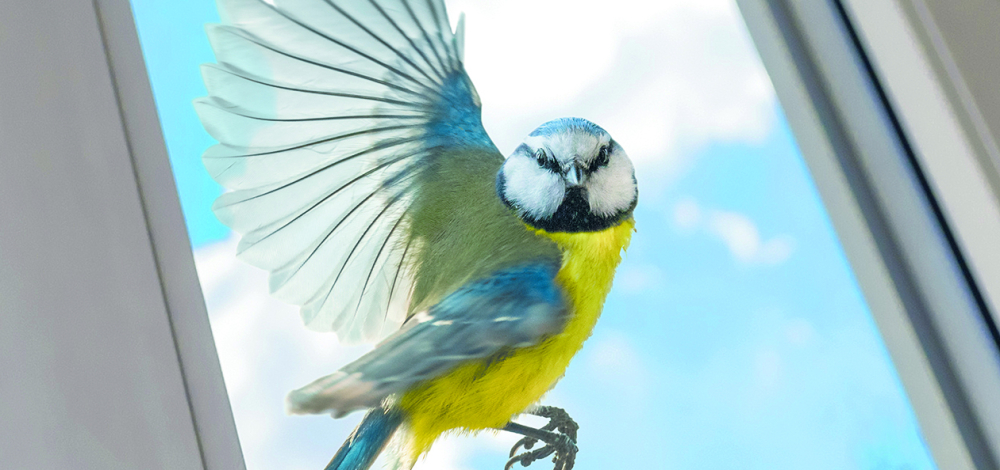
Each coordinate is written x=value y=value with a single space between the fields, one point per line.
x=360 y=176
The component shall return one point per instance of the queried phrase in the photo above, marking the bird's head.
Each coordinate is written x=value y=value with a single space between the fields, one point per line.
x=569 y=175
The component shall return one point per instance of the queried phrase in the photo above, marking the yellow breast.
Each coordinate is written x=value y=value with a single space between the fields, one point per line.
x=480 y=396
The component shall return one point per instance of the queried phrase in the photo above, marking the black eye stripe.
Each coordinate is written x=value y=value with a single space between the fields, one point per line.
x=602 y=159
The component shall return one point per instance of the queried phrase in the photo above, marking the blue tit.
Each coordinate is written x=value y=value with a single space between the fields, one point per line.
x=362 y=179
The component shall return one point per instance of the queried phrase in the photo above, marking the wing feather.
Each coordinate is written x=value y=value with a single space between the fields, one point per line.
x=328 y=116
x=512 y=308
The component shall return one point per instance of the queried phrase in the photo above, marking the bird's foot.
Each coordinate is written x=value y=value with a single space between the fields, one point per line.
x=559 y=436
x=559 y=444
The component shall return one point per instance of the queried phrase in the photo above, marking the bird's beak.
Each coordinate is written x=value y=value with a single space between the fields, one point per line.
x=575 y=177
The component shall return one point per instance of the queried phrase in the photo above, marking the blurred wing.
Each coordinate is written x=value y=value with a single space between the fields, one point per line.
x=326 y=114
x=513 y=308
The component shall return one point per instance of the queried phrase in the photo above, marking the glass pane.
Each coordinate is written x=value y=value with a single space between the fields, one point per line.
x=735 y=335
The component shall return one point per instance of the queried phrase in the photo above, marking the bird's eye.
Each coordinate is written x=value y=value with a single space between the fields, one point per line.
x=545 y=162
x=603 y=158
x=540 y=156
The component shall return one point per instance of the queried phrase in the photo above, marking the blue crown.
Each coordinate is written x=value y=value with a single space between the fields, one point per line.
x=560 y=125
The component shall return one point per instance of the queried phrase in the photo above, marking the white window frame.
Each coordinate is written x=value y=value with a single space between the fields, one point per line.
x=106 y=353
x=911 y=205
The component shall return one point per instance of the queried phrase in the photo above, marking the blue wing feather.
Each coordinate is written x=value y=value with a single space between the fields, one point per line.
x=513 y=307
x=324 y=112
x=458 y=117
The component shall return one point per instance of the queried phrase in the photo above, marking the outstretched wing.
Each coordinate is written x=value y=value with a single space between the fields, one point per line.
x=514 y=307
x=329 y=115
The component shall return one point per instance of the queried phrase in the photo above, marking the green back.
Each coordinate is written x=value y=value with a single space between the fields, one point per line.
x=460 y=229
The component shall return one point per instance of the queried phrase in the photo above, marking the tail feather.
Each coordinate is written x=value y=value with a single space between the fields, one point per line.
x=367 y=441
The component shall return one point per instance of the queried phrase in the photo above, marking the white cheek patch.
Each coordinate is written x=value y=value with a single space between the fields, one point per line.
x=611 y=189
x=533 y=190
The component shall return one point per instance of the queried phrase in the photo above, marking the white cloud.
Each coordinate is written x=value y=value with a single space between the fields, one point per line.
x=664 y=77
x=741 y=236
x=736 y=231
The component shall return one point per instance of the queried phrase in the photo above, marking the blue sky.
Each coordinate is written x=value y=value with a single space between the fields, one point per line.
x=735 y=337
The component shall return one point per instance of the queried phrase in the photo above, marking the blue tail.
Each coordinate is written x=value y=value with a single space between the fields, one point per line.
x=367 y=441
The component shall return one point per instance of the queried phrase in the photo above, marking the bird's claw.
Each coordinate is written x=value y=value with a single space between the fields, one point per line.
x=559 y=436
x=562 y=446
x=559 y=420
x=526 y=442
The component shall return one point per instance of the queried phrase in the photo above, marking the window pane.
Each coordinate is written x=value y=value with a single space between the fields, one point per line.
x=735 y=335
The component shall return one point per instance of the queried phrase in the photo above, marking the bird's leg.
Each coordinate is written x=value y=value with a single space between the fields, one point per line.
x=559 y=436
